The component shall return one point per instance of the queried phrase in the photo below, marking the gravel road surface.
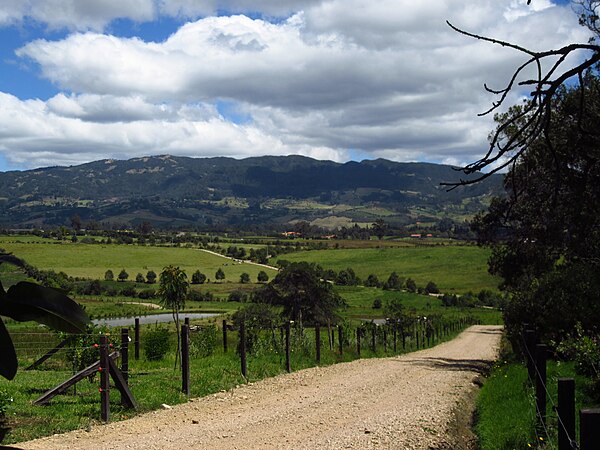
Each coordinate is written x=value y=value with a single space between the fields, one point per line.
x=404 y=402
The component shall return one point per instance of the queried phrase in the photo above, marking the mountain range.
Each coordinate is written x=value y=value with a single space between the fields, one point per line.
x=170 y=191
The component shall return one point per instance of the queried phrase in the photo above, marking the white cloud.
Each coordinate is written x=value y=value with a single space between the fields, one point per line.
x=386 y=78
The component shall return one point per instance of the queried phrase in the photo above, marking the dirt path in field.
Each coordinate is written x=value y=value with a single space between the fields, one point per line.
x=239 y=261
x=405 y=402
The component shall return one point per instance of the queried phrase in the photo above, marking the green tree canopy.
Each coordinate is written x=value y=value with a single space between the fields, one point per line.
x=305 y=297
x=173 y=292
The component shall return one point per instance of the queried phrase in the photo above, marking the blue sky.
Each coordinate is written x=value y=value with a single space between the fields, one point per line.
x=82 y=80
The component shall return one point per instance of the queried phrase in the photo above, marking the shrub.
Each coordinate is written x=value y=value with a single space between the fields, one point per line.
x=128 y=291
x=238 y=296
x=198 y=277
x=151 y=277
x=205 y=341
x=146 y=294
x=109 y=275
x=377 y=303
x=139 y=278
x=156 y=343
x=262 y=277
x=431 y=288
x=197 y=296
x=123 y=275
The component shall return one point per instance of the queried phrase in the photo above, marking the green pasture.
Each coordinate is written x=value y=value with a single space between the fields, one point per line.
x=92 y=260
x=455 y=268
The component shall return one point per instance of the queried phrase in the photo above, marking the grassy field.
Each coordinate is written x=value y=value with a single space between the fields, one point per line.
x=453 y=268
x=92 y=260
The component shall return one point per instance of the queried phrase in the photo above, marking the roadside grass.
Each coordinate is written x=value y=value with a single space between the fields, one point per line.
x=505 y=415
x=455 y=269
x=153 y=383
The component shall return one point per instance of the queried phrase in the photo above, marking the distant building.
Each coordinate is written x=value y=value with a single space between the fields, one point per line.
x=417 y=236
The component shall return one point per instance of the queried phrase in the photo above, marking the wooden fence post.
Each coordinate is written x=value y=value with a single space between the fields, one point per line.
x=340 y=340
x=566 y=413
x=318 y=343
x=384 y=339
x=373 y=342
x=136 y=339
x=224 y=336
x=185 y=359
x=395 y=338
x=358 y=342
x=589 y=429
x=104 y=380
x=541 y=351
x=186 y=321
x=288 y=362
x=530 y=339
x=124 y=359
x=243 y=349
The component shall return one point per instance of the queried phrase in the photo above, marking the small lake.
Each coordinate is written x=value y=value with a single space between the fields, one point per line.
x=151 y=318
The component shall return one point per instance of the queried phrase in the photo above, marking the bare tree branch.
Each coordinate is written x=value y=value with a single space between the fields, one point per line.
x=534 y=119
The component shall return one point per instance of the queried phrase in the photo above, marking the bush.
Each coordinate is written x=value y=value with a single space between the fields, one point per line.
x=197 y=296
x=148 y=293
x=205 y=341
x=139 y=278
x=198 y=277
x=128 y=291
x=431 y=288
x=238 y=296
x=109 y=275
x=156 y=343
x=377 y=303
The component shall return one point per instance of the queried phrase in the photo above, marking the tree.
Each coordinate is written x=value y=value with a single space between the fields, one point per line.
x=139 y=278
x=123 y=275
x=262 y=277
x=303 y=295
x=219 y=275
x=151 y=277
x=394 y=282
x=554 y=68
x=411 y=286
x=545 y=233
x=372 y=281
x=109 y=275
x=198 y=277
x=76 y=222
x=173 y=292
x=432 y=288
x=379 y=228
x=244 y=278
x=26 y=301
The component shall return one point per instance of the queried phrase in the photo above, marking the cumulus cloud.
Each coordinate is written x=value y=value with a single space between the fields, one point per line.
x=385 y=79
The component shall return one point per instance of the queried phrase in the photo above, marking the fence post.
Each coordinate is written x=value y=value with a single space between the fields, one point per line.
x=566 y=413
x=530 y=353
x=373 y=342
x=136 y=339
x=385 y=339
x=288 y=362
x=541 y=351
x=318 y=343
x=224 y=336
x=358 y=342
x=243 y=348
x=124 y=358
x=589 y=429
x=395 y=338
x=104 y=380
x=340 y=340
x=185 y=359
x=417 y=334
x=186 y=321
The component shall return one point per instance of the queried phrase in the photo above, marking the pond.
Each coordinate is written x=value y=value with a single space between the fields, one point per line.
x=151 y=318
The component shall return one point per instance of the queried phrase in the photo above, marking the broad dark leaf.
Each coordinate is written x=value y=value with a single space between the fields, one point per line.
x=8 y=357
x=28 y=301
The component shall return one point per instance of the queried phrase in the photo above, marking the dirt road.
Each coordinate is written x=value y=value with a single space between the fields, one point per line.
x=405 y=402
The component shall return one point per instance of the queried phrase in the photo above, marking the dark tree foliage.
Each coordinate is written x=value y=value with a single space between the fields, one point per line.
x=305 y=297
x=545 y=233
